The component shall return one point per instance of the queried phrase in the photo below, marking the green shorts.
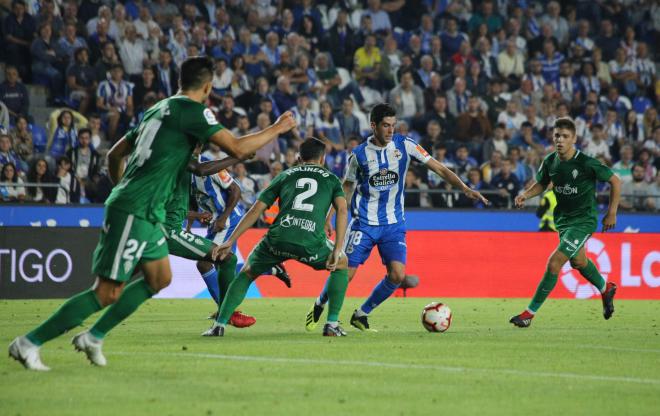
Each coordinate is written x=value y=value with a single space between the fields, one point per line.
x=268 y=253
x=125 y=241
x=572 y=239
x=184 y=244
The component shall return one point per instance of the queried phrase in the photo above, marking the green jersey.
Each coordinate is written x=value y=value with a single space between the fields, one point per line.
x=162 y=146
x=306 y=193
x=176 y=209
x=574 y=184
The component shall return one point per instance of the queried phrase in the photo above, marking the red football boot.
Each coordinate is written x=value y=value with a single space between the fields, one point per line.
x=240 y=320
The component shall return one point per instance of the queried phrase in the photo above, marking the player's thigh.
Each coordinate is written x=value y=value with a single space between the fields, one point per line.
x=260 y=260
x=359 y=243
x=182 y=243
x=580 y=259
x=157 y=273
x=392 y=245
x=572 y=240
x=125 y=241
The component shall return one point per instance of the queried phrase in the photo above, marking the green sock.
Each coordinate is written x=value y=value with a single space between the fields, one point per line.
x=337 y=284
x=591 y=273
x=226 y=273
x=134 y=295
x=235 y=295
x=543 y=290
x=71 y=314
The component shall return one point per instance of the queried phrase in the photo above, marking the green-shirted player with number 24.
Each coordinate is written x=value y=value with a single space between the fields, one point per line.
x=305 y=192
x=158 y=150
x=574 y=176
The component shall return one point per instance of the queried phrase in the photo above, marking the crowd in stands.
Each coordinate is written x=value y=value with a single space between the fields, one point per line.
x=477 y=83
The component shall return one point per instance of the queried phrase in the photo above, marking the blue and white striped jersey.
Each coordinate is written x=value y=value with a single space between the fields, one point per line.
x=380 y=174
x=211 y=193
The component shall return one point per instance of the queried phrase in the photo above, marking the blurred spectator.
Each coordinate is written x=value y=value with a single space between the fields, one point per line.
x=167 y=73
x=84 y=160
x=39 y=173
x=69 y=189
x=349 y=124
x=366 y=62
x=511 y=119
x=45 y=62
x=99 y=140
x=227 y=116
x=623 y=167
x=115 y=100
x=107 y=59
x=635 y=194
x=492 y=167
x=248 y=185
x=145 y=85
x=452 y=38
x=340 y=41
x=596 y=146
x=463 y=162
x=15 y=192
x=495 y=143
x=132 y=53
x=65 y=136
x=414 y=198
x=14 y=94
x=81 y=81
x=607 y=42
x=518 y=168
x=475 y=182
x=510 y=62
x=559 y=25
x=21 y=136
x=472 y=126
x=98 y=38
x=644 y=159
x=18 y=29
x=624 y=72
x=284 y=97
x=507 y=185
x=327 y=126
x=68 y=43
x=8 y=154
x=407 y=98
x=331 y=82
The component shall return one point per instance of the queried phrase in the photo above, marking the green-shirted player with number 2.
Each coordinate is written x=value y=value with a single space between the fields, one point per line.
x=574 y=176
x=132 y=234
x=306 y=193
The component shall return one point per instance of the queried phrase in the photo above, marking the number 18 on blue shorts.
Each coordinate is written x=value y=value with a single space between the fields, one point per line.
x=390 y=239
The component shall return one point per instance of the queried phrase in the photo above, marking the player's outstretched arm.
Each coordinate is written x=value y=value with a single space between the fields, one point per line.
x=211 y=167
x=535 y=189
x=349 y=187
x=243 y=147
x=340 y=206
x=609 y=220
x=221 y=251
x=116 y=156
x=453 y=179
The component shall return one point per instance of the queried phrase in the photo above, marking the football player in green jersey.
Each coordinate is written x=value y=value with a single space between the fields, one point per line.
x=132 y=234
x=306 y=193
x=573 y=176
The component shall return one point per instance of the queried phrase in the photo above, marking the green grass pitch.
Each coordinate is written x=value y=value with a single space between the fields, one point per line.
x=570 y=361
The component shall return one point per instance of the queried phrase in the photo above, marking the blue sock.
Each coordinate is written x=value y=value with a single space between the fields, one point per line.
x=323 y=297
x=211 y=280
x=381 y=292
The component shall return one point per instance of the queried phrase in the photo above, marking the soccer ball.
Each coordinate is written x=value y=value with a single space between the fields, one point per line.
x=436 y=317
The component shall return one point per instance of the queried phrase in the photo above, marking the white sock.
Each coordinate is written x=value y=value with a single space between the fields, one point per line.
x=318 y=302
x=333 y=324
x=359 y=313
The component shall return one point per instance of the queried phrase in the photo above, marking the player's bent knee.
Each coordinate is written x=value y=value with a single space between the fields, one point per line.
x=396 y=277
x=578 y=263
x=107 y=291
x=204 y=266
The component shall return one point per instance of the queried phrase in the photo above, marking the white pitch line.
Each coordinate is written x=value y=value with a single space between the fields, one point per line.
x=402 y=366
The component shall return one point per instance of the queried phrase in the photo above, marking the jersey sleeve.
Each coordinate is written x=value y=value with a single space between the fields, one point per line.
x=222 y=179
x=272 y=192
x=351 y=169
x=200 y=123
x=132 y=135
x=543 y=175
x=601 y=172
x=416 y=151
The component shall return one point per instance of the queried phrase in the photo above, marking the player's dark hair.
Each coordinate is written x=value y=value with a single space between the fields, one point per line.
x=312 y=149
x=380 y=111
x=195 y=72
x=565 y=123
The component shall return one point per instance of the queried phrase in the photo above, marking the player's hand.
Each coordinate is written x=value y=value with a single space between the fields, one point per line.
x=328 y=229
x=333 y=259
x=222 y=251
x=285 y=122
x=476 y=195
x=609 y=221
x=219 y=225
x=519 y=201
x=205 y=218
